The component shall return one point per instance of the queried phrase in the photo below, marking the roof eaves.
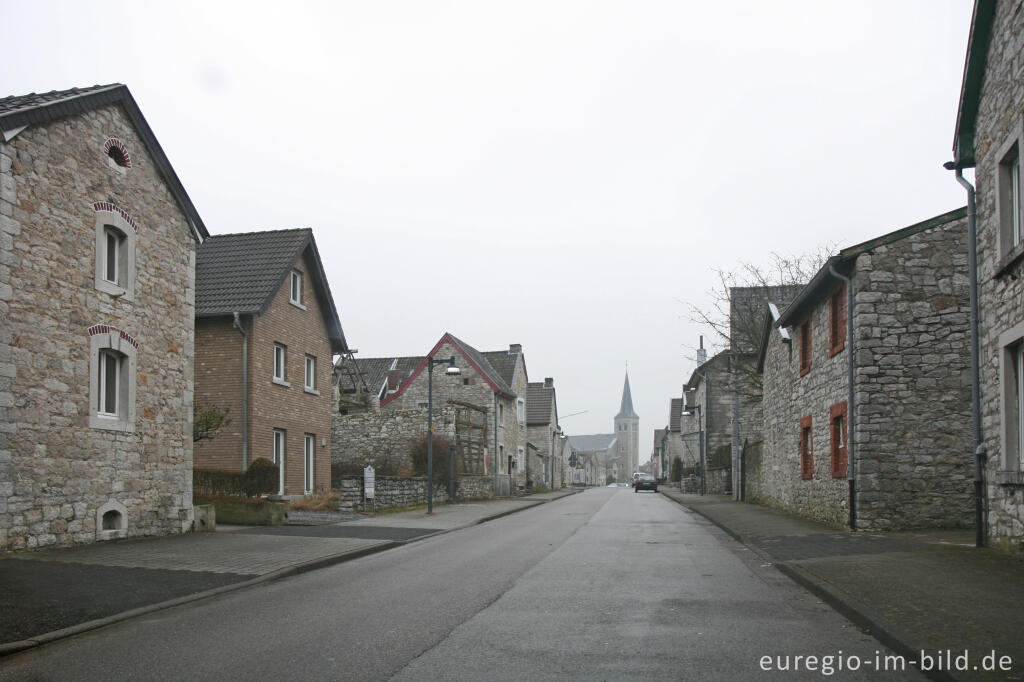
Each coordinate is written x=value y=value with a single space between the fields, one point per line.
x=982 y=20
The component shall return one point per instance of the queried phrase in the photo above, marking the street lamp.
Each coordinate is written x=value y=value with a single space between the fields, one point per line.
x=451 y=370
x=700 y=441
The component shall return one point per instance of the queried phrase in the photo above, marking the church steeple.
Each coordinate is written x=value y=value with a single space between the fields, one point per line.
x=626 y=411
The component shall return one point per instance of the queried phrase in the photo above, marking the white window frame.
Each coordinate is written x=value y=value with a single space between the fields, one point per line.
x=280 y=456
x=110 y=223
x=109 y=360
x=280 y=371
x=310 y=380
x=105 y=348
x=295 y=289
x=309 y=461
x=520 y=458
x=520 y=411
x=501 y=415
x=1009 y=189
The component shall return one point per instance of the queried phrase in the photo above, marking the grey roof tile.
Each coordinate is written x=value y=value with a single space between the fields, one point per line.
x=538 y=403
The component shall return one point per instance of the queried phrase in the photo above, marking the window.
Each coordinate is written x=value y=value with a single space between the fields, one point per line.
x=279 y=458
x=1008 y=204
x=520 y=411
x=501 y=415
x=295 y=293
x=501 y=457
x=806 y=449
x=280 y=364
x=115 y=251
x=309 y=460
x=837 y=321
x=520 y=457
x=805 y=347
x=837 y=418
x=1012 y=404
x=117 y=154
x=311 y=375
x=112 y=358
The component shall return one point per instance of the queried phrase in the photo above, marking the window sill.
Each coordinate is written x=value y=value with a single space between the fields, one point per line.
x=1010 y=478
x=280 y=382
x=836 y=350
x=110 y=423
x=297 y=305
x=805 y=371
x=1012 y=259
x=311 y=391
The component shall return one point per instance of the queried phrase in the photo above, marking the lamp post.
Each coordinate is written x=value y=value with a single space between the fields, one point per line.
x=452 y=370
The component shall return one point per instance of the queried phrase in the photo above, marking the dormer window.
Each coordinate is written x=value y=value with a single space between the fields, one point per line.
x=295 y=292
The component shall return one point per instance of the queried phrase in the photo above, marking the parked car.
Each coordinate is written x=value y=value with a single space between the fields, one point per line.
x=632 y=479
x=645 y=482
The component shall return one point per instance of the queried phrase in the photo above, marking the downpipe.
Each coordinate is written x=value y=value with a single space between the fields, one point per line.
x=980 y=451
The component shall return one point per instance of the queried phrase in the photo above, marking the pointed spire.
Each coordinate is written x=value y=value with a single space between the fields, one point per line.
x=626 y=411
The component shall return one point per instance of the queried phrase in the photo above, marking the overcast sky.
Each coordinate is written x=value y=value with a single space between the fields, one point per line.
x=564 y=175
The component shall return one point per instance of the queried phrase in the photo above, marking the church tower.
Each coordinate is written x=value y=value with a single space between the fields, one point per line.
x=627 y=435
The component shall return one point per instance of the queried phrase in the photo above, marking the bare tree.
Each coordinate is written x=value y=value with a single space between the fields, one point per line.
x=207 y=421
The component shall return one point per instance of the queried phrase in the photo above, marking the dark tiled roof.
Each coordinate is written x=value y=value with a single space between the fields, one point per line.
x=539 y=399
x=35 y=109
x=593 y=443
x=375 y=370
x=659 y=435
x=241 y=273
x=504 y=362
x=674 y=413
x=481 y=360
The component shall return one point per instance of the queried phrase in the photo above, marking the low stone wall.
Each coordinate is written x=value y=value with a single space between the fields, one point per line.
x=717 y=482
x=396 y=491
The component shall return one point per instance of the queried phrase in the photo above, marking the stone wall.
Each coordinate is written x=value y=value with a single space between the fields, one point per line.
x=1000 y=276
x=394 y=491
x=59 y=473
x=384 y=438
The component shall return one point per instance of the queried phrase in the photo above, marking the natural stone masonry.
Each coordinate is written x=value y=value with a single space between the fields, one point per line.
x=912 y=388
x=1000 y=275
x=56 y=472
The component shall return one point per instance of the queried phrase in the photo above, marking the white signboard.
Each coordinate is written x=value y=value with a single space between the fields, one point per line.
x=368 y=482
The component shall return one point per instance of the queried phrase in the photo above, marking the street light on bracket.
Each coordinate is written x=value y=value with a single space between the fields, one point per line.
x=451 y=370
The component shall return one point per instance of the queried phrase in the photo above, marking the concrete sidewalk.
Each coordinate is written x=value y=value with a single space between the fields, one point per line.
x=55 y=593
x=915 y=592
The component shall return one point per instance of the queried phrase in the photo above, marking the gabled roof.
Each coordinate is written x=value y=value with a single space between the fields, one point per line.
x=659 y=435
x=475 y=359
x=18 y=112
x=592 y=443
x=823 y=280
x=242 y=273
x=698 y=374
x=626 y=409
x=675 y=412
x=505 y=363
x=970 y=89
x=375 y=371
x=539 y=400
x=771 y=316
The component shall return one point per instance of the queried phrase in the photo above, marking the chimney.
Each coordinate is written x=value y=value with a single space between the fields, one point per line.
x=394 y=380
x=702 y=355
x=515 y=348
x=549 y=382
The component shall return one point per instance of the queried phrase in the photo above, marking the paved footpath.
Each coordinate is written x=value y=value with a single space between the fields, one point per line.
x=932 y=592
x=55 y=593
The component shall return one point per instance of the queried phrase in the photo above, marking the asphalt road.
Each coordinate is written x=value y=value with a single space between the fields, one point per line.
x=599 y=586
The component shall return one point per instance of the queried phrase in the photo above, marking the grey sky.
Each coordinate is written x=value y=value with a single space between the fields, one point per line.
x=563 y=175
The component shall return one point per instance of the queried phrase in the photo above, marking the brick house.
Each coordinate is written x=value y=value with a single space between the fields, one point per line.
x=990 y=138
x=266 y=333
x=910 y=390
x=490 y=388
x=97 y=245
x=544 y=434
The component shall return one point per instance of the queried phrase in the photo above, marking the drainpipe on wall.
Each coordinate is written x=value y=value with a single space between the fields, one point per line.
x=245 y=392
x=851 y=419
x=980 y=451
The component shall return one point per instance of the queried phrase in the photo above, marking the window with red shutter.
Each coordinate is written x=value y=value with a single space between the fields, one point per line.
x=806 y=449
x=837 y=419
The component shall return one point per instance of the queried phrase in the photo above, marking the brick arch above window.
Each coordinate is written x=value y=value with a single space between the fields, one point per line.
x=107 y=207
x=117 y=152
x=108 y=329
x=115 y=236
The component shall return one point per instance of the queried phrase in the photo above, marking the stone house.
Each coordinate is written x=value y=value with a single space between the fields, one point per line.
x=544 y=434
x=97 y=255
x=266 y=333
x=990 y=138
x=487 y=399
x=659 y=462
x=893 y=442
x=707 y=415
x=593 y=460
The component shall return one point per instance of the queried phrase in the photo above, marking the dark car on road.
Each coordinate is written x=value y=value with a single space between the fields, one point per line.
x=645 y=482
